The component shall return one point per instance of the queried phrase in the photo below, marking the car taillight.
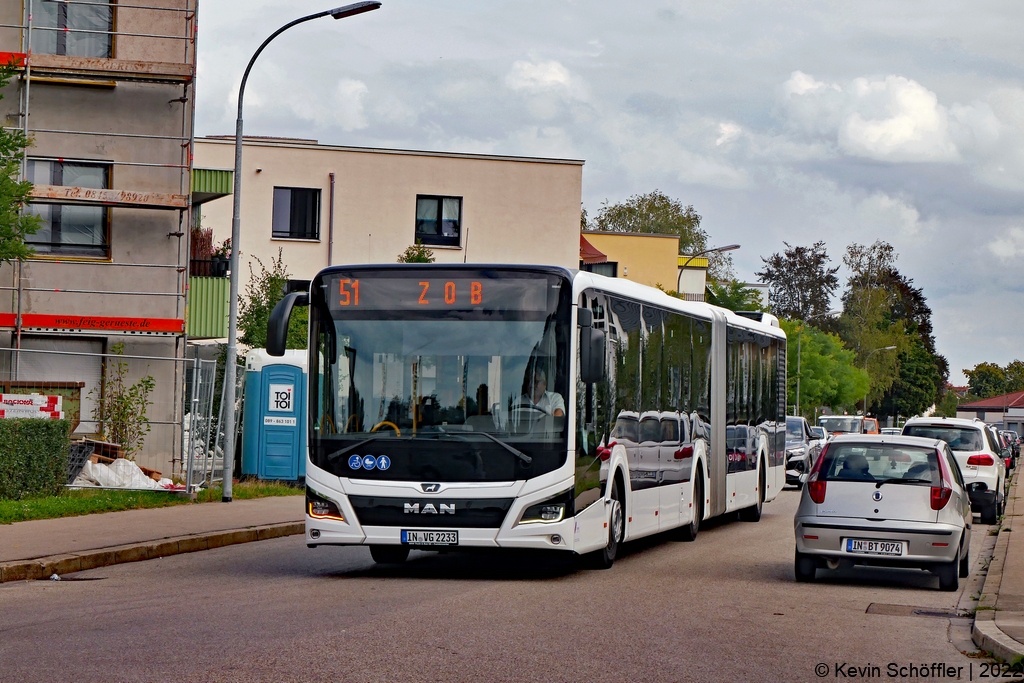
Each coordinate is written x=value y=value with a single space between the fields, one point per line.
x=940 y=496
x=942 y=492
x=816 y=488
x=981 y=460
x=605 y=452
x=684 y=452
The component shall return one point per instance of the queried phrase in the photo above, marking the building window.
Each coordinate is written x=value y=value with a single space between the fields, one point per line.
x=70 y=229
x=439 y=220
x=76 y=29
x=609 y=268
x=296 y=213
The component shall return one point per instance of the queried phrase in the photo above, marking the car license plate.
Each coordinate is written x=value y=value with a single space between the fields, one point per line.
x=430 y=537
x=868 y=547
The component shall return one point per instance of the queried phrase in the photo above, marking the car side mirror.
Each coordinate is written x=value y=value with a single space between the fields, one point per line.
x=592 y=361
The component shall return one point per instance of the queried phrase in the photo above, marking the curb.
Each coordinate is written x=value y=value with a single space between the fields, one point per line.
x=985 y=633
x=43 y=567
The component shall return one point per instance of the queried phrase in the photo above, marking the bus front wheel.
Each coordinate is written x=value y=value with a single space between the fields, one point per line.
x=604 y=558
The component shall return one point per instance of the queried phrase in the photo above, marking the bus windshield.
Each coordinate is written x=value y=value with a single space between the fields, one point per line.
x=440 y=376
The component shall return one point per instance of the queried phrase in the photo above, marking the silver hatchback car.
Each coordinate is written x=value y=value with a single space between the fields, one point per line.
x=885 y=500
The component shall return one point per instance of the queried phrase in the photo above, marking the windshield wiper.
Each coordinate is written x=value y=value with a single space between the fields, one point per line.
x=348 y=449
x=514 y=451
x=901 y=480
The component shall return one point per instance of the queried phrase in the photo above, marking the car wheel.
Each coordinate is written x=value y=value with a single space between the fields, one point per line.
x=753 y=513
x=949 y=576
x=605 y=558
x=990 y=513
x=389 y=554
x=965 y=566
x=804 y=567
x=689 y=532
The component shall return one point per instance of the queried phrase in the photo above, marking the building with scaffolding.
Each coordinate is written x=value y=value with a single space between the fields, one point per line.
x=106 y=92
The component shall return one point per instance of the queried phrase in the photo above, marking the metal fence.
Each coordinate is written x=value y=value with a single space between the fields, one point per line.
x=203 y=437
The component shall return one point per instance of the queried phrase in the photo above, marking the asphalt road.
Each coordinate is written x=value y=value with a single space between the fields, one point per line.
x=723 y=608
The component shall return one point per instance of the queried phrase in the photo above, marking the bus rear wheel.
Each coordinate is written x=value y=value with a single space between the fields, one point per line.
x=689 y=532
x=389 y=554
x=753 y=513
x=605 y=558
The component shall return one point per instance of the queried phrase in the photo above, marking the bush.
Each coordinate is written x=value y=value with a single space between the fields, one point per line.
x=33 y=457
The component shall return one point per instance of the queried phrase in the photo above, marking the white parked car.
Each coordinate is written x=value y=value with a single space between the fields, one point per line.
x=979 y=455
x=884 y=500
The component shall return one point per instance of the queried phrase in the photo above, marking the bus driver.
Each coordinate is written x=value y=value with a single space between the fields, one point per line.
x=549 y=402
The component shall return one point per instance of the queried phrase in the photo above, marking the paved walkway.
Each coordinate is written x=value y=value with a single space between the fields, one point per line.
x=44 y=537
x=999 y=622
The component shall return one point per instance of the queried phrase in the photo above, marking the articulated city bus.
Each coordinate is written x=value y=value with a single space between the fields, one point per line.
x=457 y=406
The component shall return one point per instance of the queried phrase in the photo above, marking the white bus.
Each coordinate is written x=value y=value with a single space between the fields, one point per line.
x=529 y=407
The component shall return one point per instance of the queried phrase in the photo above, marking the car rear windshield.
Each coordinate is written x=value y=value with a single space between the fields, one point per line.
x=958 y=438
x=840 y=424
x=881 y=462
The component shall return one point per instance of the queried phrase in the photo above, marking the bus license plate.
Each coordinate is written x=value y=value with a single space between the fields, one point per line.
x=430 y=537
x=868 y=547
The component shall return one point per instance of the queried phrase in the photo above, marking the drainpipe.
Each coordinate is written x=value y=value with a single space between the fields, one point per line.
x=330 y=225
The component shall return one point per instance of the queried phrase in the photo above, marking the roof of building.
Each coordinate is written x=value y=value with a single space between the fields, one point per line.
x=310 y=144
x=609 y=233
x=1014 y=400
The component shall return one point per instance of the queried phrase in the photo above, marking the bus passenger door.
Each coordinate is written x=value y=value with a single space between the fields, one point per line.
x=673 y=464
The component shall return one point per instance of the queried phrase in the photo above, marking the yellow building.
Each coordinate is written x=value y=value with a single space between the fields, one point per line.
x=648 y=259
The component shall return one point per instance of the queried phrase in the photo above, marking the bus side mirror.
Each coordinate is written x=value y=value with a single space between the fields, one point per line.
x=277 y=326
x=592 y=362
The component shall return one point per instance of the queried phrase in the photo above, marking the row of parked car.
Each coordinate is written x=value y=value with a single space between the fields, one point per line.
x=905 y=499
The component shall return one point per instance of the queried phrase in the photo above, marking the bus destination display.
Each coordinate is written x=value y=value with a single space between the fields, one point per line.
x=462 y=294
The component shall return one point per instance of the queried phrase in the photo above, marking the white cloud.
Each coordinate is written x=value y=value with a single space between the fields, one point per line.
x=538 y=76
x=1009 y=246
x=800 y=83
x=896 y=119
x=887 y=215
x=727 y=132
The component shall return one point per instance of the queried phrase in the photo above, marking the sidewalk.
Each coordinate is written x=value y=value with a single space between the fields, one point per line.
x=999 y=621
x=43 y=547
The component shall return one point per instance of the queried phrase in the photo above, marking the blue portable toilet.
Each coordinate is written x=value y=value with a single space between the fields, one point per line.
x=274 y=415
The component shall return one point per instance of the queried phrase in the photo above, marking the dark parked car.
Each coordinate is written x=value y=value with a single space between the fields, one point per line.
x=802 y=449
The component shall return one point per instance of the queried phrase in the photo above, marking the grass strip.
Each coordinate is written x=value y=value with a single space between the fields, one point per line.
x=72 y=503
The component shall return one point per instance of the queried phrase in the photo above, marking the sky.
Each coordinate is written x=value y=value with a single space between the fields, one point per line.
x=779 y=121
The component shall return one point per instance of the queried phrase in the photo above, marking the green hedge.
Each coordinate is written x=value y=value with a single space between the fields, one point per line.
x=33 y=457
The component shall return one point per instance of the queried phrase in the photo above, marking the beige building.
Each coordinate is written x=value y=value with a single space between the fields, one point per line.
x=106 y=94
x=326 y=205
x=645 y=258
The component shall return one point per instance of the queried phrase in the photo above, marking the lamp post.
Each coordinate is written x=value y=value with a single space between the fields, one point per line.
x=870 y=353
x=713 y=250
x=236 y=230
x=799 y=338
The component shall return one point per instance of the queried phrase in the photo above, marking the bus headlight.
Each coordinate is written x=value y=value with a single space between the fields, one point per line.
x=549 y=511
x=320 y=507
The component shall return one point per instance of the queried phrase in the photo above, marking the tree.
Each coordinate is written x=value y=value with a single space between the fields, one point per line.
x=947 y=405
x=264 y=290
x=734 y=296
x=917 y=387
x=121 y=407
x=986 y=380
x=1014 y=376
x=829 y=375
x=800 y=283
x=656 y=213
x=14 y=193
x=416 y=253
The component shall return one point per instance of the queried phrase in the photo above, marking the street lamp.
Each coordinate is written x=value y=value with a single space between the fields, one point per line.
x=799 y=338
x=236 y=231
x=870 y=353
x=712 y=250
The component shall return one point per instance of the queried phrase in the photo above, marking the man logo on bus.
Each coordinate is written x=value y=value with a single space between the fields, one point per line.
x=429 y=509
